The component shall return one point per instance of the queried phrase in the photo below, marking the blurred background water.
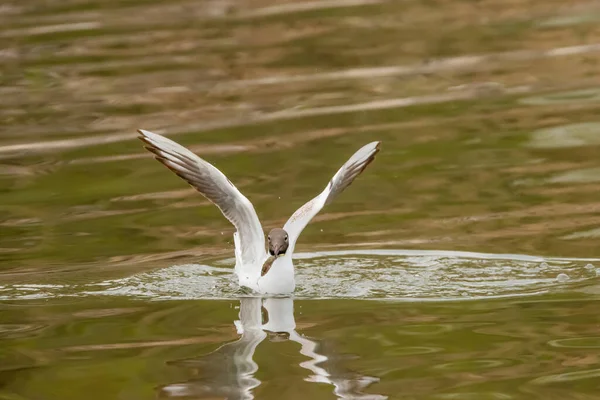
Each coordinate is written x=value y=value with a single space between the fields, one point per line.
x=461 y=265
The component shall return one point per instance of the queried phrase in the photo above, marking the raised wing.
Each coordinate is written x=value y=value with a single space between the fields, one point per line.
x=340 y=181
x=215 y=186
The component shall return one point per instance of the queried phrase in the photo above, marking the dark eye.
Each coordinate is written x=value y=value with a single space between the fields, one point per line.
x=286 y=238
x=269 y=237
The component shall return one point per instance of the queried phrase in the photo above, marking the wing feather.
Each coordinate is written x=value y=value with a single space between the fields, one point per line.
x=340 y=181
x=215 y=186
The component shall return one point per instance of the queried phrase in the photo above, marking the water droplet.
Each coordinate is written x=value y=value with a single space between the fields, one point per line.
x=321 y=230
x=562 y=277
x=544 y=265
x=589 y=267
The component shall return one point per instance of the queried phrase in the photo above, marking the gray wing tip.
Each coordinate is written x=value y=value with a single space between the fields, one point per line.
x=353 y=167
x=154 y=144
x=366 y=153
x=375 y=146
x=372 y=149
x=145 y=136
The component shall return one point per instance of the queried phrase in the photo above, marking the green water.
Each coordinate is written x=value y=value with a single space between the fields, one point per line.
x=462 y=264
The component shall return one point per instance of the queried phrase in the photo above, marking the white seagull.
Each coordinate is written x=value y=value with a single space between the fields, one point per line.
x=271 y=270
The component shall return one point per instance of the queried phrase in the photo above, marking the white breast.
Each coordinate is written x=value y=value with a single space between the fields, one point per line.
x=279 y=279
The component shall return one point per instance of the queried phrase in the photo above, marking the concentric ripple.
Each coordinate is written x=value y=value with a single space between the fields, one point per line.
x=365 y=274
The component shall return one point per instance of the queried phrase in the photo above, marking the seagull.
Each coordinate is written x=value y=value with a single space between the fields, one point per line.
x=264 y=269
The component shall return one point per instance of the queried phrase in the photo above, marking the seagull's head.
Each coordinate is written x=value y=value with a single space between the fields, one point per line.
x=278 y=242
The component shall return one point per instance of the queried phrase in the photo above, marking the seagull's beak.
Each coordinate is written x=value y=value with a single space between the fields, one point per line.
x=277 y=247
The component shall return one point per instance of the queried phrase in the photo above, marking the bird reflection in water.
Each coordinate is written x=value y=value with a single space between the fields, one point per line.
x=228 y=372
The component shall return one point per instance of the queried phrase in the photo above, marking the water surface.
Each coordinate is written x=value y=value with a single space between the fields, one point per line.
x=461 y=265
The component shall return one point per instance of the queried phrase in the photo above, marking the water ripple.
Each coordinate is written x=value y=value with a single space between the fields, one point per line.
x=365 y=274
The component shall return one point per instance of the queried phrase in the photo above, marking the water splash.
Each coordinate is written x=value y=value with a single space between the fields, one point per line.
x=365 y=274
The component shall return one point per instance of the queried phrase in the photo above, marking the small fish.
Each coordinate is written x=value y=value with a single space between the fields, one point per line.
x=267 y=265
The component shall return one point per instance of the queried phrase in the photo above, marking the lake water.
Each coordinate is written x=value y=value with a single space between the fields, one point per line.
x=463 y=263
